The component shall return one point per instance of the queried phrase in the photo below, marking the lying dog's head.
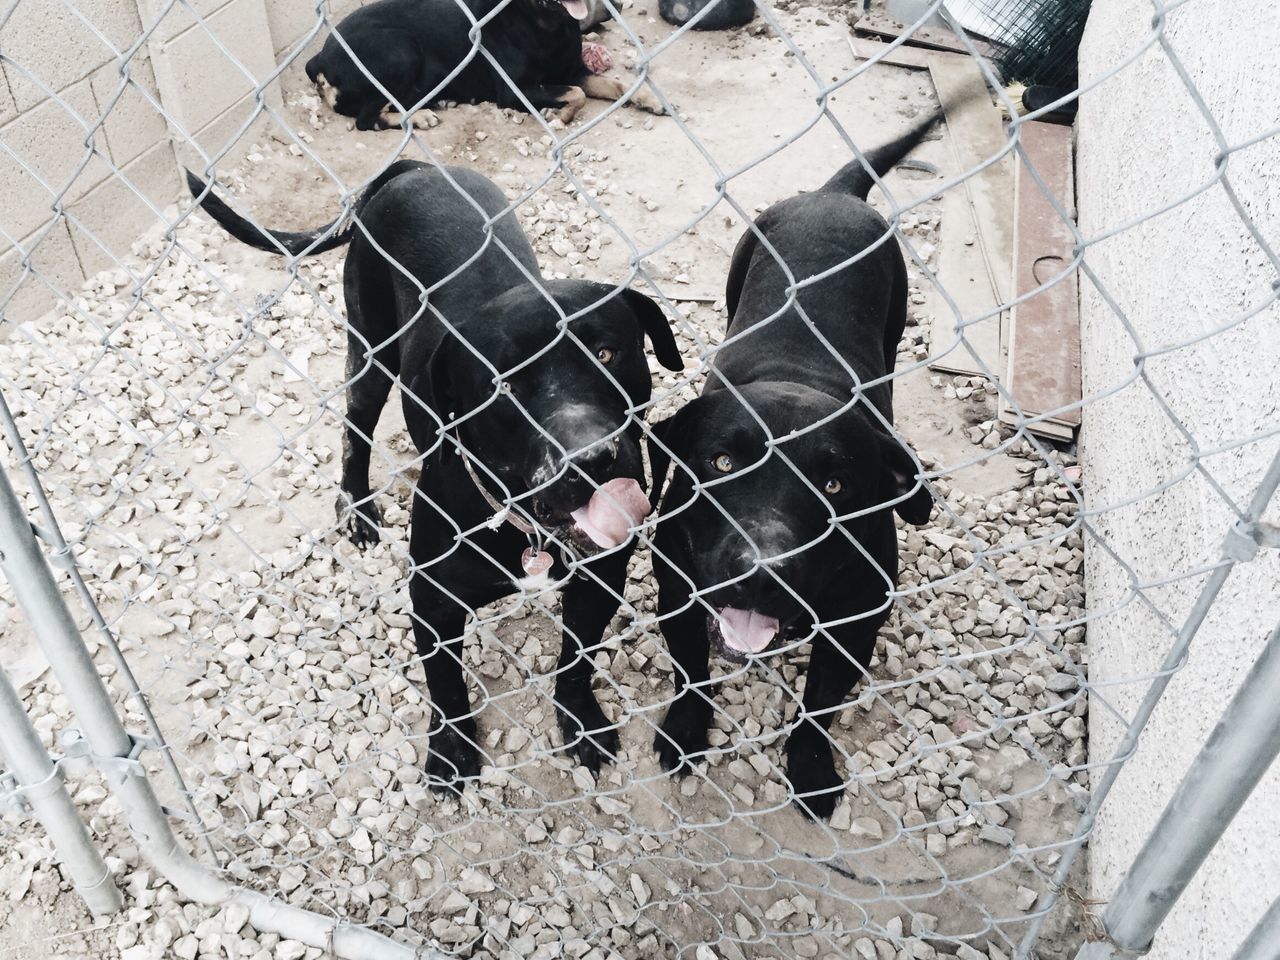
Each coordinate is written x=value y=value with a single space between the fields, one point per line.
x=579 y=10
x=546 y=407
x=762 y=529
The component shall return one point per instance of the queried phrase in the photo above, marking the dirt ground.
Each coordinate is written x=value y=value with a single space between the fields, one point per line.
x=274 y=652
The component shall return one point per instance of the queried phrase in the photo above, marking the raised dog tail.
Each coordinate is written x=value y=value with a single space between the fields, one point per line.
x=334 y=234
x=273 y=241
x=853 y=178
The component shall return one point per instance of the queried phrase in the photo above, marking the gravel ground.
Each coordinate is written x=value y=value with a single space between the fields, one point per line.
x=189 y=441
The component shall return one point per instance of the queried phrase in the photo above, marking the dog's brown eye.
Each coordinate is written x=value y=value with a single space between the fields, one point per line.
x=833 y=487
x=722 y=462
x=505 y=387
x=605 y=355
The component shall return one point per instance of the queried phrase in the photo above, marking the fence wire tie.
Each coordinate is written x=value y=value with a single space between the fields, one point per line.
x=78 y=749
x=16 y=794
x=1244 y=540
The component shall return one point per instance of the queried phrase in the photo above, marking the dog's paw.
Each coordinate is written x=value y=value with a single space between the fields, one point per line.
x=648 y=102
x=587 y=732
x=682 y=738
x=359 y=521
x=452 y=756
x=816 y=787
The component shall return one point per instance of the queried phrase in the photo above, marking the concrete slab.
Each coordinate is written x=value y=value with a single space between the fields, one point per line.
x=79 y=50
x=977 y=226
x=199 y=79
x=291 y=20
x=107 y=220
x=132 y=122
x=54 y=277
x=171 y=19
x=51 y=140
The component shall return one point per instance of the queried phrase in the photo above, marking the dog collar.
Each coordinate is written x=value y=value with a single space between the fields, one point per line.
x=501 y=512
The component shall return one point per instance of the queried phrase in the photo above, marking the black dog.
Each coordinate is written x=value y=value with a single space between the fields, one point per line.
x=779 y=519
x=512 y=407
x=422 y=48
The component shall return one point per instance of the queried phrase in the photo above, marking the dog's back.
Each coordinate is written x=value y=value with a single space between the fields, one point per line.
x=827 y=315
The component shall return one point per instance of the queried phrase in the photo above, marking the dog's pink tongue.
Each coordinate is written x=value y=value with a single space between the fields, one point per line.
x=612 y=511
x=577 y=8
x=745 y=630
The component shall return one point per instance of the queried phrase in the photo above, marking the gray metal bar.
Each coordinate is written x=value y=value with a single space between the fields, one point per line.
x=1264 y=942
x=1232 y=553
x=23 y=564
x=41 y=787
x=1242 y=746
x=51 y=534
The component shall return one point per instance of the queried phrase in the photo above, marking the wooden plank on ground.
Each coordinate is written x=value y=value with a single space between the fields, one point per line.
x=912 y=58
x=976 y=245
x=929 y=38
x=1044 y=341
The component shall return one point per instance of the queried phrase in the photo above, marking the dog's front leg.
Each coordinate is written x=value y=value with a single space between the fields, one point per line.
x=439 y=623
x=588 y=606
x=833 y=672
x=438 y=627
x=569 y=100
x=610 y=88
x=683 y=734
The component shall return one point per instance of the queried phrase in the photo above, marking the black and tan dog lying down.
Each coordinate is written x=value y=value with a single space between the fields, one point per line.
x=417 y=49
x=514 y=409
x=778 y=521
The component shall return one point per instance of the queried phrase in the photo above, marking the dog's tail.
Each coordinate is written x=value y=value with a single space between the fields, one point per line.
x=273 y=241
x=853 y=177
x=332 y=235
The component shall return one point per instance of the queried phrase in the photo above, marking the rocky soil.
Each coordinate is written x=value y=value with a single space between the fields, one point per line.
x=185 y=415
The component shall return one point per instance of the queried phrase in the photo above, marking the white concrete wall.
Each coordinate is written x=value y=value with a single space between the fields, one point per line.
x=1143 y=143
x=98 y=133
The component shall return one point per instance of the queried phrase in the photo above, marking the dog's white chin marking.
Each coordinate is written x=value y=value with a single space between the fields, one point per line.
x=577 y=8
x=328 y=92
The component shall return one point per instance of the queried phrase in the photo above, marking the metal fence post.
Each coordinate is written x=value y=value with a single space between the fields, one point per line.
x=40 y=786
x=115 y=753
x=1264 y=942
x=1242 y=746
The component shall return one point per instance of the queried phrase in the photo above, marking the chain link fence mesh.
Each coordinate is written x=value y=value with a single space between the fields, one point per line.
x=184 y=411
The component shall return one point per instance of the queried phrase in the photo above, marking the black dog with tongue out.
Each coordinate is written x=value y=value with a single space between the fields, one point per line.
x=423 y=48
x=779 y=518
x=521 y=398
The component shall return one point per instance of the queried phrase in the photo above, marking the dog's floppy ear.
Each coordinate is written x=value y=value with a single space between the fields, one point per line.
x=671 y=433
x=899 y=477
x=655 y=326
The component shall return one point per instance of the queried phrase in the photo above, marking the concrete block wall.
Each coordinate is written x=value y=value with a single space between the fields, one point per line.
x=101 y=101
x=1143 y=143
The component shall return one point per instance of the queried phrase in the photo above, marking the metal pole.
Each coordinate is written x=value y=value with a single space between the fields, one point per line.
x=1264 y=942
x=1242 y=746
x=115 y=754
x=1235 y=550
x=40 y=786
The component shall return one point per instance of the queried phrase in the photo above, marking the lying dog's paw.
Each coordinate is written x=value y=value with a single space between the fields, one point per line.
x=452 y=756
x=586 y=730
x=682 y=738
x=648 y=101
x=360 y=522
x=815 y=785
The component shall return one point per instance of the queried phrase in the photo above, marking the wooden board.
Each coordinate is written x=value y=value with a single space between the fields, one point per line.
x=976 y=244
x=1044 y=342
x=929 y=38
x=913 y=58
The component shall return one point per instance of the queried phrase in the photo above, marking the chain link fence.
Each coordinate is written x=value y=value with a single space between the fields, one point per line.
x=260 y=768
